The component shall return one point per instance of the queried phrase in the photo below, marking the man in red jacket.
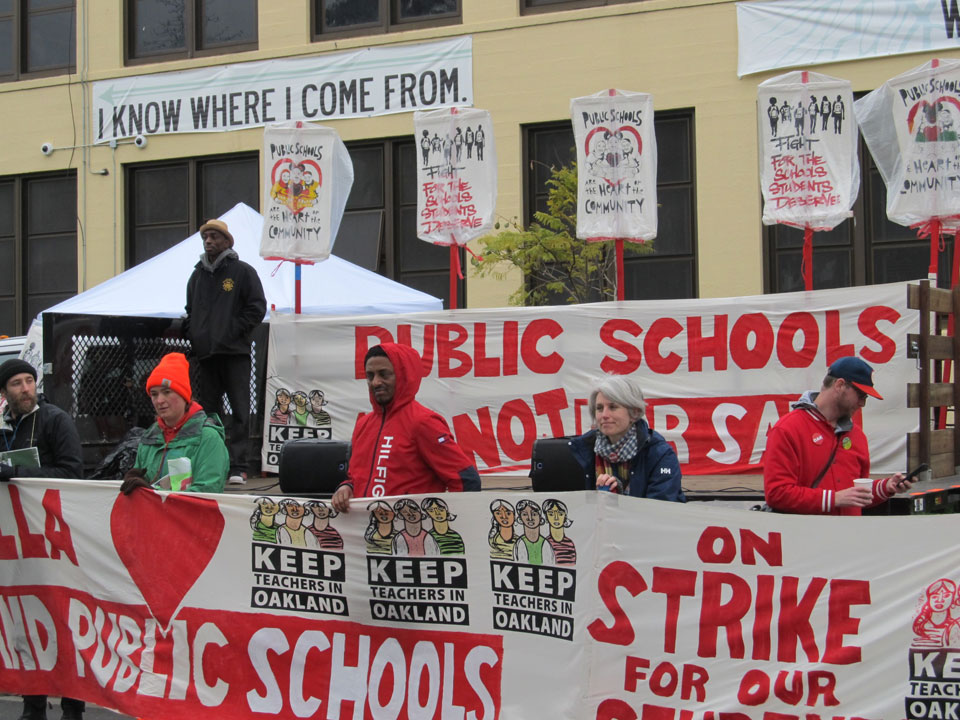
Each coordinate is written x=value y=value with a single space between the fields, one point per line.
x=402 y=447
x=815 y=452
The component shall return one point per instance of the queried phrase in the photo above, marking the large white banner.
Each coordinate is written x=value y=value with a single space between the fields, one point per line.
x=589 y=605
x=809 y=170
x=358 y=83
x=717 y=372
x=912 y=126
x=789 y=33
x=456 y=175
x=307 y=179
x=616 y=166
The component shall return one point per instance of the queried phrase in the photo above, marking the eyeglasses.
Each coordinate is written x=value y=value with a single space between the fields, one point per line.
x=861 y=395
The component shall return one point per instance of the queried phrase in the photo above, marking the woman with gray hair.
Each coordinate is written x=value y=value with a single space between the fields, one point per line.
x=622 y=453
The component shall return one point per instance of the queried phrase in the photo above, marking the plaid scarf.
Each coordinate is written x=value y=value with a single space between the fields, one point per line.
x=614 y=458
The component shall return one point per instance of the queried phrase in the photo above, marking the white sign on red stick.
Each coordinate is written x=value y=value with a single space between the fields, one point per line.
x=717 y=372
x=809 y=171
x=307 y=179
x=616 y=166
x=456 y=175
x=912 y=126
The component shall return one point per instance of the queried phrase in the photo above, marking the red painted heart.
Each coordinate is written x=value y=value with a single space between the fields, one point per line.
x=613 y=158
x=165 y=543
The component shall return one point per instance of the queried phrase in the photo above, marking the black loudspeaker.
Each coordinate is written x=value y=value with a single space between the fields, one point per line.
x=309 y=466
x=553 y=468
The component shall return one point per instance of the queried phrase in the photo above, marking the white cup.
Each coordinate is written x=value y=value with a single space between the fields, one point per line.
x=864 y=482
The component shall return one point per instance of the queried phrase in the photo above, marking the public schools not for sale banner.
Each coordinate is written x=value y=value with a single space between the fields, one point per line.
x=473 y=606
x=717 y=373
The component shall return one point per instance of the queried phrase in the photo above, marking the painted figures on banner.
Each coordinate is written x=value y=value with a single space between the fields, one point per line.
x=617 y=166
x=809 y=172
x=911 y=126
x=456 y=175
x=308 y=175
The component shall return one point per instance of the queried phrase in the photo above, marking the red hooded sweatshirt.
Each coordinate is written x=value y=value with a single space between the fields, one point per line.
x=404 y=448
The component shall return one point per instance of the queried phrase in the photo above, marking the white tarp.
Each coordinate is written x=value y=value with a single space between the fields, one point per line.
x=911 y=124
x=157 y=287
x=456 y=175
x=796 y=33
x=307 y=179
x=322 y=86
x=516 y=605
x=616 y=166
x=809 y=171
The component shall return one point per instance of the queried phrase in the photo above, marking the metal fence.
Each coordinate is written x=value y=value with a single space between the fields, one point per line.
x=96 y=367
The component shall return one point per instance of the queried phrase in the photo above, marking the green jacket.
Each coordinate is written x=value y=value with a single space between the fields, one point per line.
x=201 y=440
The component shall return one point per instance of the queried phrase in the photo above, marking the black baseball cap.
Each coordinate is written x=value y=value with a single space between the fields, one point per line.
x=856 y=372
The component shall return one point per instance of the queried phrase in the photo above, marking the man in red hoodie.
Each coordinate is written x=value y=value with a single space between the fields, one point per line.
x=402 y=447
x=815 y=452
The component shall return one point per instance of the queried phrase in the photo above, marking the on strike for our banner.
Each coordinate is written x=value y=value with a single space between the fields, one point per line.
x=774 y=612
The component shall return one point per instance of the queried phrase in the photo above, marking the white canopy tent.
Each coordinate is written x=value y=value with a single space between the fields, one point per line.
x=157 y=287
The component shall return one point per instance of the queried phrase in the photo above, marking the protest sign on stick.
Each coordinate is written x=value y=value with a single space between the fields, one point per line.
x=616 y=169
x=307 y=179
x=809 y=173
x=456 y=180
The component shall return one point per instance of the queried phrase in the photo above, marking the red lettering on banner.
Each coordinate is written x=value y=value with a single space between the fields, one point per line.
x=751 y=545
x=794 y=621
x=55 y=529
x=550 y=403
x=844 y=594
x=662 y=329
x=483 y=366
x=511 y=343
x=532 y=358
x=867 y=324
x=755 y=689
x=716 y=614
x=405 y=337
x=615 y=576
x=787 y=354
x=475 y=440
x=511 y=448
x=451 y=336
x=30 y=544
x=611 y=709
x=763 y=618
x=630 y=352
x=835 y=348
x=757 y=356
x=674 y=584
x=714 y=346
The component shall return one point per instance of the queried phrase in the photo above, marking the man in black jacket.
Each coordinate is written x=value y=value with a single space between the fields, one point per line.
x=30 y=421
x=225 y=302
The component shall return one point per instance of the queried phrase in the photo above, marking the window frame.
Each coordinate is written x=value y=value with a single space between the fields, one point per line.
x=18 y=17
x=388 y=10
x=195 y=196
x=191 y=32
x=21 y=236
x=560 y=5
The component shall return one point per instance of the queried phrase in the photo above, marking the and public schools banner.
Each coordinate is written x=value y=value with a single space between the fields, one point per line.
x=359 y=83
x=472 y=606
x=717 y=373
x=796 y=33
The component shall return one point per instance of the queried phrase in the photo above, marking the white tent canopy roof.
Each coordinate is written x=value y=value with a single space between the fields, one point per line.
x=157 y=287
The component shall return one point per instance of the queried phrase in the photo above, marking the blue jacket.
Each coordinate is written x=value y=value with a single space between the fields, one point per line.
x=654 y=470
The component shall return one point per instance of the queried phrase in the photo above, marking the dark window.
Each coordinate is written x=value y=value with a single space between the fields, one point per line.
x=171 y=29
x=168 y=201
x=379 y=227
x=866 y=249
x=532 y=6
x=37 y=37
x=670 y=271
x=364 y=17
x=38 y=246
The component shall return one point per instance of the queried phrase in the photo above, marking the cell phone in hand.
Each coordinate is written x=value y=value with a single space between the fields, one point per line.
x=921 y=468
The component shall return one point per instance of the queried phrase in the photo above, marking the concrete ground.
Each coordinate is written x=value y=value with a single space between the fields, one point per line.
x=11 y=706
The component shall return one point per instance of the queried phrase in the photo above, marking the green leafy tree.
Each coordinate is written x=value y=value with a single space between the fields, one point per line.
x=557 y=267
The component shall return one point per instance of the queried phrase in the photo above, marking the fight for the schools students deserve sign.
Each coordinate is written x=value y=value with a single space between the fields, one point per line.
x=358 y=83
x=717 y=372
x=473 y=606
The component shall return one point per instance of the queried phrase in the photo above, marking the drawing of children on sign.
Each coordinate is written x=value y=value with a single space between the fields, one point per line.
x=293 y=531
x=937 y=623
x=945 y=125
x=437 y=146
x=327 y=536
x=319 y=416
x=839 y=113
x=774 y=114
x=479 y=140
x=502 y=537
x=425 y=147
x=812 y=110
x=448 y=540
x=555 y=512
x=295 y=185
x=300 y=414
x=826 y=108
x=468 y=139
x=309 y=191
x=280 y=412
x=532 y=547
x=281 y=188
x=413 y=540
x=380 y=531
x=263 y=520
x=799 y=117
x=785 y=113
x=447 y=149
x=613 y=155
x=458 y=142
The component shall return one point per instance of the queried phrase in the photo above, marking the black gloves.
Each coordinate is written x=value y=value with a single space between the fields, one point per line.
x=135 y=477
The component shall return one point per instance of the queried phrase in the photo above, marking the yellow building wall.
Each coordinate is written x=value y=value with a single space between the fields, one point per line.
x=526 y=68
